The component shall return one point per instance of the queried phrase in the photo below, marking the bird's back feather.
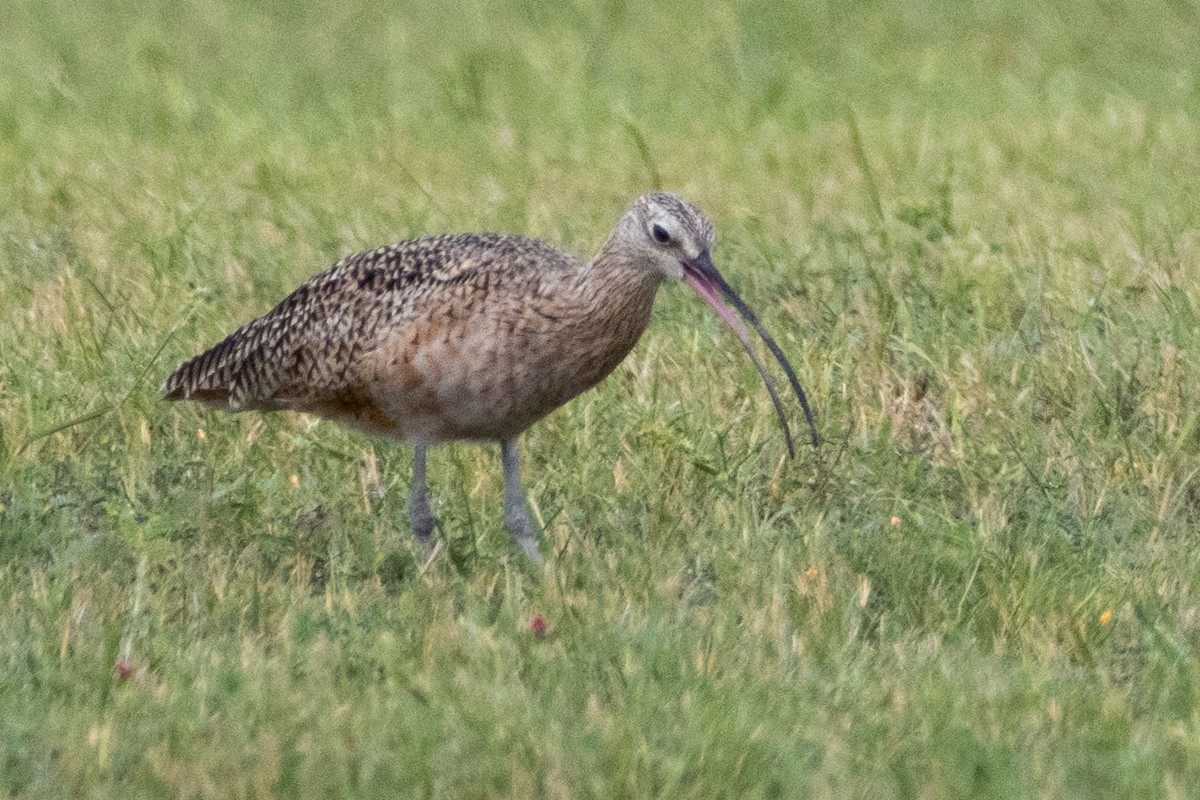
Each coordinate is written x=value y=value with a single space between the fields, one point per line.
x=306 y=347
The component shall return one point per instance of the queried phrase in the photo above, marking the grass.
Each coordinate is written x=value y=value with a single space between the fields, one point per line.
x=972 y=226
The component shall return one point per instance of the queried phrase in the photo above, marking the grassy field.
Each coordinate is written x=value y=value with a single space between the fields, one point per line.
x=974 y=227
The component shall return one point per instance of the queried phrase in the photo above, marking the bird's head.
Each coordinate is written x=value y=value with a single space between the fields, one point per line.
x=663 y=232
x=669 y=236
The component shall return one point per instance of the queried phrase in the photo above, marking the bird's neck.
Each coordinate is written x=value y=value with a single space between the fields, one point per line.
x=613 y=301
x=614 y=286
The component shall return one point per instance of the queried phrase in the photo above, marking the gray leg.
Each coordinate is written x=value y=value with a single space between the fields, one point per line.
x=516 y=518
x=418 y=501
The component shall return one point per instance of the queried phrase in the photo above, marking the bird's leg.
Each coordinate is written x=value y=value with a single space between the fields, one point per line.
x=516 y=518
x=418 y=501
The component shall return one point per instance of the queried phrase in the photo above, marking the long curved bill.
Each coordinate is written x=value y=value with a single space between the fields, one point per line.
x=700 y=274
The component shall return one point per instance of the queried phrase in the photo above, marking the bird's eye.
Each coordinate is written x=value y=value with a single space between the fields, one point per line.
x=660 y=234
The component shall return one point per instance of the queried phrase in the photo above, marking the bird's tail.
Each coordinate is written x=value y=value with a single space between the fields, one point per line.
x=229 y=375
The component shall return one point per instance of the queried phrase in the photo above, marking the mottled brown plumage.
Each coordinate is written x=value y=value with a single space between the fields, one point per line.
x=446 y=337
x=466 y=336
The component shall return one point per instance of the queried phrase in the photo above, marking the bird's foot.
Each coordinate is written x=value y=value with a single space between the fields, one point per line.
x=524 y=535
x=423 y=523
x=531 y=549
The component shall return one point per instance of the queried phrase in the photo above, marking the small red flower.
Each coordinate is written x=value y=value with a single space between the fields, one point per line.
x=537 y=626
x=124 y=669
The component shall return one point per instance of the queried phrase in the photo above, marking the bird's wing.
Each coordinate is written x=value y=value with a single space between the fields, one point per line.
x=310 y=342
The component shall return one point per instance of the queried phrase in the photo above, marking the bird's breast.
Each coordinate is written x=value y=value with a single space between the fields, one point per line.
x=491 y=370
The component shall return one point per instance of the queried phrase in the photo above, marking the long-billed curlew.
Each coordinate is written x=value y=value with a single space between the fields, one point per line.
x=468 y=336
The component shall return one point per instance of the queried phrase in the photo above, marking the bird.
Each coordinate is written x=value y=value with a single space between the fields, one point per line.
x=470 y=336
